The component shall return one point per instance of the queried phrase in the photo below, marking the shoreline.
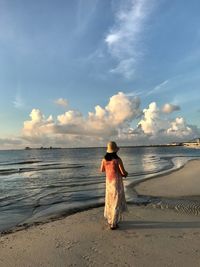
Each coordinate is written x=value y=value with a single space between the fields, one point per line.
x=148 y=236
x=165 y=172
x=141 y=200
x=141 y=186
x=61 y=216
x=178 y=190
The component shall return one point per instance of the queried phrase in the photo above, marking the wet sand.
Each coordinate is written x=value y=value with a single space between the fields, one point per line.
x=147 y=237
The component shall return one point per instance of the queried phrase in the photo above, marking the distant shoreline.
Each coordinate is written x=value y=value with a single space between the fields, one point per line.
x=131 y=146
x=101 y=147
x=49 y=148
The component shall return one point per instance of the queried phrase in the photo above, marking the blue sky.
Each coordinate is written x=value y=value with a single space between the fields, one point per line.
x=86 y=52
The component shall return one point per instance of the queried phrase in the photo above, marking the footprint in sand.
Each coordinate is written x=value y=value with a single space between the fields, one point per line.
x=95 y=249
x=89 y=261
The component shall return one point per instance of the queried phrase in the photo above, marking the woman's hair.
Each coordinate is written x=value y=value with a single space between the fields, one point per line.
x=111 y=156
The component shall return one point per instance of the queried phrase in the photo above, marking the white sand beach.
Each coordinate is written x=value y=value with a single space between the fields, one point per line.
x=147 y=237
x=184 y=182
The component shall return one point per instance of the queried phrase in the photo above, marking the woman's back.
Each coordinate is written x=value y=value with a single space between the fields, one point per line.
x=112 y=169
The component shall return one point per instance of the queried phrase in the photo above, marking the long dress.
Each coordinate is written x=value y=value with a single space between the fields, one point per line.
x=115 y=202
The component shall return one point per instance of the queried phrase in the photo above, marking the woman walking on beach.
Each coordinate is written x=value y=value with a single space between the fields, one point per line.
x=115 y=202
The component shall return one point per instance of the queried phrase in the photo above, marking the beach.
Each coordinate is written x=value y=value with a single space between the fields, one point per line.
x=148 y=236
x=184 y=182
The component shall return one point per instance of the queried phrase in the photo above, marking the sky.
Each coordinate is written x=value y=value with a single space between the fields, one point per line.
x=80 y=73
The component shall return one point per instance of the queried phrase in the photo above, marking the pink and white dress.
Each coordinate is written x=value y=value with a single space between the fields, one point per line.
x=115 y=202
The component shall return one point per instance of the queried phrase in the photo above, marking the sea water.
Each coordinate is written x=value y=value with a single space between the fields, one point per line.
x=36 y=185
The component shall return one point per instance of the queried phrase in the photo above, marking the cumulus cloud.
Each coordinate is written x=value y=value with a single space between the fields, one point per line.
x=61 y=102
x=113 y=121
x=169 y=108
x=123 y=38
x=179 y=127
x=122 y=108
x=38 y=124
x=104 y=122
x=161 y=129
x=151 y=123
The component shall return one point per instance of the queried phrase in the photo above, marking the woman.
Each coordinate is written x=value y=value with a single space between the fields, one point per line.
x=115 y=202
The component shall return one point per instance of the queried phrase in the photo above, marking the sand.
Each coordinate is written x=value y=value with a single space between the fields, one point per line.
x=147 y=237
x=184 y=182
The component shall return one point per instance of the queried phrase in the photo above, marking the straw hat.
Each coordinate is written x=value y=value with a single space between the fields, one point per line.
x=112 y=147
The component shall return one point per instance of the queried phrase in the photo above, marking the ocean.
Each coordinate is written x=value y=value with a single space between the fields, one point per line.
x=38 y=185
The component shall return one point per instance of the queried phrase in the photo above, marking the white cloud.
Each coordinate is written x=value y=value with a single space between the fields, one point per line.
x=122 y=108
x=161 y=129
x=70 y=117
x=178 y=127
x=123 y=40
x=169 y=108
x=152 y=123
x=114 y=121
x=158 y=88
x=61 y=102
x=38 y=125
x=119 y=111
x=100 y=124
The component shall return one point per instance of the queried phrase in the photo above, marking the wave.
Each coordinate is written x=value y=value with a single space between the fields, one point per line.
x=21 y=162
x=39 y=168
